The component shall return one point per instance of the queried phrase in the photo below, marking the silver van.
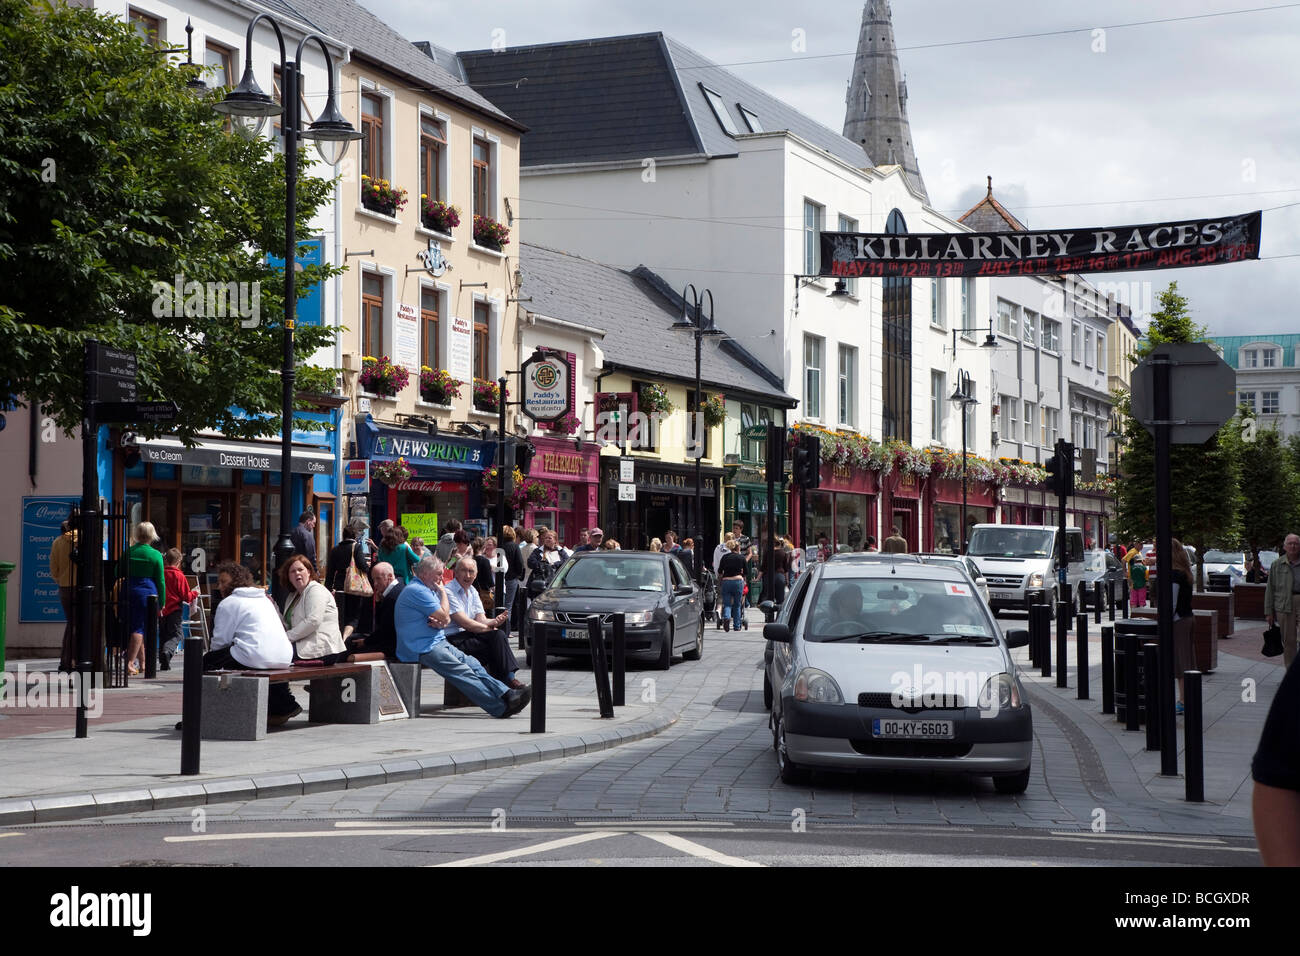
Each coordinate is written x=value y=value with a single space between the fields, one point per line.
x=1019 y=563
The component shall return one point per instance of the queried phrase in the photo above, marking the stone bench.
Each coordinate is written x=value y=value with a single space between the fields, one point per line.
x=234 y=703
x=1222 y=604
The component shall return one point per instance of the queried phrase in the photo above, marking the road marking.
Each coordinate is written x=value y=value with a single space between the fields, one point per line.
x=1173 y=838
x=696 y=849
x=527 y=850
x=3 y=835
x=313 y=834
x=674 y=824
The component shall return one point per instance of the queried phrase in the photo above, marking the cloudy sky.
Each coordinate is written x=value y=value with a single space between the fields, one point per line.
x=1106 y=125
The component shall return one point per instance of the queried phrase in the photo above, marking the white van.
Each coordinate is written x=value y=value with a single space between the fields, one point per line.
x=1019 y=562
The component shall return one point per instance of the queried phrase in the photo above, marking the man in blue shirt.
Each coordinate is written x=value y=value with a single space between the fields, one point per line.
x=420 y=616
x=472 y=632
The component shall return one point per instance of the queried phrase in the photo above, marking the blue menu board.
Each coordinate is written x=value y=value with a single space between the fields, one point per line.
x=42 y=518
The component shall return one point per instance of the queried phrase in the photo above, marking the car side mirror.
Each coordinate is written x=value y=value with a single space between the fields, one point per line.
x=683 y=589
x=1018 y=637
x=780 y=633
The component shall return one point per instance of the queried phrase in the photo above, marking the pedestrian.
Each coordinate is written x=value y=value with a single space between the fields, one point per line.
x=780 y=579
x=1137 y=580
x=304 y=536
x=593 y=540
x=64 y=572
x=178 y=592
x=1280 y=606
x=870 y=543
x=1275 y=802
x=731 y=572
x=349 y=551
x=656 y=545
x=544 y=562
x=446 y=543
x=417 y=545
x=754 y=576
x=395 y=551
x=310 y=615
x=1184 y=622
x=896 y=543
x=514 y=573
x=738 y=532
x=141 y=571
x=687 y=556
x=1256 y=573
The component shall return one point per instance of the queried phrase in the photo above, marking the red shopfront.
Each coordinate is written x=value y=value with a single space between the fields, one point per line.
x=575 y=476
x=901 y=507
x=943 y=497
x=844 y=508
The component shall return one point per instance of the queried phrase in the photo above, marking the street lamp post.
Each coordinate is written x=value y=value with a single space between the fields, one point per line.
x=249 y=106
x=699 y=330
x=962 y=398
x=1114 y=435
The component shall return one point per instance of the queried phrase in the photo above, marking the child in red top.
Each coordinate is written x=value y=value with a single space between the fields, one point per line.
x=178 y=592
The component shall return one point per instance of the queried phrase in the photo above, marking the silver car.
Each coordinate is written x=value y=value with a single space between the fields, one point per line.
x=895 y=666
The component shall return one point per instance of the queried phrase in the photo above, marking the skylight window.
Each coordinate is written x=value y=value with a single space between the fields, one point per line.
x=720 y=110
x=750 y=118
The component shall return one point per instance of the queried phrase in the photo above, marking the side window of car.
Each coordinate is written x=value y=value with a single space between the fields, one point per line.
x=794 y=603
x=680 y=576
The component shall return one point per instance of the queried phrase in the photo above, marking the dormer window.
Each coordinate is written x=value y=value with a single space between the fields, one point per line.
x=1249 y=358
x=720 y=110
x=750 y=118
x=1269 y=358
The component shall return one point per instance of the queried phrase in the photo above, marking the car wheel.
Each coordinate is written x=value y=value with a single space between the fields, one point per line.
x=1015 y=783
x=665 y=660
x=696 y=652
x=791 y=772
x=767 y=691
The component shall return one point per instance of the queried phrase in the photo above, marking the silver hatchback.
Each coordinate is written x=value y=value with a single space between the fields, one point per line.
x=895 y=666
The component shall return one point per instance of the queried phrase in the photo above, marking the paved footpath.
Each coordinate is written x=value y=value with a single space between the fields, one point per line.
x=700 y=749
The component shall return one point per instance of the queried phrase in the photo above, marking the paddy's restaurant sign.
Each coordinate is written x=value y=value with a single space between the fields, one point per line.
x=1165 y=245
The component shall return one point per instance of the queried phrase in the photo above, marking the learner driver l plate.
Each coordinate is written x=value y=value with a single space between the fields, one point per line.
x=892 y=729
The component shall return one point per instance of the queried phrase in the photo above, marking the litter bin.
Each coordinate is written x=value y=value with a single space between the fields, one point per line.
x=1145 y=630
x=6 y=569
x=1218 y=581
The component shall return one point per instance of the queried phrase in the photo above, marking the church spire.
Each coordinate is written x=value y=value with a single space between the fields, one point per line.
x=876 y=113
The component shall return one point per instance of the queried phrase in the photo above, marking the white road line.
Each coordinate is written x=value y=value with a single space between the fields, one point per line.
x=527 y=850
x=3 y=835
x=674 y=824
x=1171 y=838
x=312 y=835
x=696 y=849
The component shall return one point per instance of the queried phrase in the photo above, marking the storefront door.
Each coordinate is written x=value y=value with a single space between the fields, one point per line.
x=206 y=527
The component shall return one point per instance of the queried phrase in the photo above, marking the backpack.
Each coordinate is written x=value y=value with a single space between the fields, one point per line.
x=1138 y=572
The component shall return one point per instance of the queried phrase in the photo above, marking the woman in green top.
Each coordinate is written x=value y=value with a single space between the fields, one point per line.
x=394 y=550
x=141 y=566
x=754 y=575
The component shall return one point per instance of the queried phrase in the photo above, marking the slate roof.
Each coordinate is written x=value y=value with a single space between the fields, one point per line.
x=635 y=309
x=628 y=97
x=373 y=40
x=989 y=215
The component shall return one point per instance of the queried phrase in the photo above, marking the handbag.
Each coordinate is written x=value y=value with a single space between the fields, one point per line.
x=356 y=584
x=1272 y=641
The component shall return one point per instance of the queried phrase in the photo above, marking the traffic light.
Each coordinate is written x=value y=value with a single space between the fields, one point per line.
x=1060 y=470
x=813 y=466
x=1053 y=482
x=799 y=462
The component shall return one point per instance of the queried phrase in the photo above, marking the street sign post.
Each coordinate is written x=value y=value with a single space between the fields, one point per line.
x=1182 y=393
x=134 y=412
x=110 y=374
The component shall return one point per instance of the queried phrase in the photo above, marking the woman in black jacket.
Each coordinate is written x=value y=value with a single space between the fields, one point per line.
x=353 y=607
x=514 y=571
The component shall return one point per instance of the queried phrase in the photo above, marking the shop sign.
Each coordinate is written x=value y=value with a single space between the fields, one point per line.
x=425 y=449
x=406 y=338
x=460 y=338
x=627 y=469
x=626 y=491
x=558 y=463
x=546 y=387
x=356 y=477
x=424 y=525
x=42 y=519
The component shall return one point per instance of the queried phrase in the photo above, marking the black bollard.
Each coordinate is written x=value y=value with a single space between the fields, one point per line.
x=1195 y=755
x=600 y=665
x=1096 y=601
x=1132 y=717
x=620 y=660
x=1108 y=669
x=1081 y=655
x=1151 y=657
x=1123 y=606
x=1062 y=629
x=1040 y=632
x=538 y=706
x=191 y=706
x=1110 y=599
x=1034 y=635
x=150 y=638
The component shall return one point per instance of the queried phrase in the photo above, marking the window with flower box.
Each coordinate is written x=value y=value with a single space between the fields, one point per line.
x=430 y=327
x=483 y=205
x=433 y=147
x=372 y=136
x=372 y=315
x=482 y=340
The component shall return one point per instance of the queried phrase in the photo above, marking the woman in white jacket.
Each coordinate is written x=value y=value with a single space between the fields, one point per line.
x=311 y=618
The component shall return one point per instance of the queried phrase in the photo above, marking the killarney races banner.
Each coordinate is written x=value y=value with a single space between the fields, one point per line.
x=1163 y=245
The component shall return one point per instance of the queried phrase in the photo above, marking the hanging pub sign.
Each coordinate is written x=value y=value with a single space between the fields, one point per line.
x=1165 y=245
x=546 y=380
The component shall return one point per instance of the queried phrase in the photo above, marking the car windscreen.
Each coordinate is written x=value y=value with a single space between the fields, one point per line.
x=1094 y=561
x=1225 y=557
x=896 y=609
x=613 y=573
x=1010 y=543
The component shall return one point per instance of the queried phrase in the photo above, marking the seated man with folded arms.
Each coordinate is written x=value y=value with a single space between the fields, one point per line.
x=473 y=632
x=383 y=636
x=421 y=613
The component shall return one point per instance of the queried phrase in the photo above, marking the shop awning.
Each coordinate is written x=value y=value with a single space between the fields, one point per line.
x=252 y=456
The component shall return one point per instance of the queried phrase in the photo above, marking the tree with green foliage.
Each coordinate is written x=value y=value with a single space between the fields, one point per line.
x=1270 y=491
x=119 y=180
x=1204 y=479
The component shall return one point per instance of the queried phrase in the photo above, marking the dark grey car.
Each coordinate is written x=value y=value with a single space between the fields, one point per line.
x=662 y=605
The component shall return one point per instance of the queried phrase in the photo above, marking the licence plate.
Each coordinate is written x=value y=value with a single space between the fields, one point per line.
x=575 y=633
x=912 y=729
x=1002 y=595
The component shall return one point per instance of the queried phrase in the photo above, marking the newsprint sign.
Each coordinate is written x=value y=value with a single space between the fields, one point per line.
x=1163 y=245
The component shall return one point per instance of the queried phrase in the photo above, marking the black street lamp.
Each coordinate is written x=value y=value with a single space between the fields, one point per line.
x=1116 y=434
x=249 y=107
x=700 y=327
x=963 y=399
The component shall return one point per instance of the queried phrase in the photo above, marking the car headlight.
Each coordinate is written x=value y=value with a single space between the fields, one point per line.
x=1036 y=579
x=817 y=687
x=638 y=617
x=537 y=614
x=999 y=691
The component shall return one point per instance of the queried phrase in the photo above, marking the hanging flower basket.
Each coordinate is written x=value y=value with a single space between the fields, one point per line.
x=438 y=215
x=490 y=478
x=567 y=425
x=390 y=472
x=715 y=411
x=532 y=493
x=487 y=395
x=381 y=377
x=379 y=195
x=490 y=234
x=653 y=399
x=437 y=387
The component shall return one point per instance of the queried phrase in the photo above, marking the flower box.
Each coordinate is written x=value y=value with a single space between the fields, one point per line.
x=490 y=234
x=439 y=216
x=653 y=398
x=487 y=395
x=381 y=377
x=381 y=196
x=437 y=387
